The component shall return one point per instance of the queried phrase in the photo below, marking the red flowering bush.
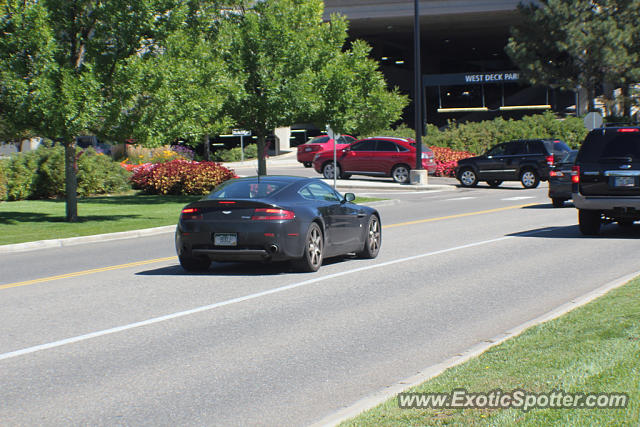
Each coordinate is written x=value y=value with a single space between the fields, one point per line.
x=447 y=160
x=180 y=177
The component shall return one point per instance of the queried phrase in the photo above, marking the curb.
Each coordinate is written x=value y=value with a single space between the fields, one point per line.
x=72 y=241
x=474 y=351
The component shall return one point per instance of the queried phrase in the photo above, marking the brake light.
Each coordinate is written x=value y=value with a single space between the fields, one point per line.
x=224 y=202
x=550 y=160
x=268 y=214
x=554 y=173
x=575 y=174
x=626 y=130
x=191 y=214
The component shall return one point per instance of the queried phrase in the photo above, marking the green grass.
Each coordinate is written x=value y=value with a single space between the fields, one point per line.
x=595 y=348
x=30 y=220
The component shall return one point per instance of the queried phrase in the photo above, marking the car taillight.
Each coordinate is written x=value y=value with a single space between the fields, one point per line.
x=191 y=214
x=427 y=155
x=268 y=214
x=575 y=174
x=554 y=173
x=625 y=130
x=550 y=160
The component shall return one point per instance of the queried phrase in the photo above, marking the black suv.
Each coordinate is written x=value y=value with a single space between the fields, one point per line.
x=524 y=160
x=606 y=178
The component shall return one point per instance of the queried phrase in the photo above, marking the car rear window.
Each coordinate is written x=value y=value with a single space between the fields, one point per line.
x=556 y=146
x=319 y=140
x=245 y=190
x=611 y=145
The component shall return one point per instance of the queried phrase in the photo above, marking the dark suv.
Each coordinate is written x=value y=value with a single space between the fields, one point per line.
x=524 y=160
x=606 y=178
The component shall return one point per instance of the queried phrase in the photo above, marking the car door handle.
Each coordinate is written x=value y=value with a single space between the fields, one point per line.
x=361 y=214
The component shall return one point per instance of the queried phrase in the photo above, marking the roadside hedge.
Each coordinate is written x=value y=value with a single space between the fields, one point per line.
x=235 y=154
x=39 y=174
x=4 y=164
x=477 y=137
x=180 y=177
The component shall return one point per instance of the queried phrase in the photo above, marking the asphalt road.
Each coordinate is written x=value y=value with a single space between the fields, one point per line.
x=88 y=338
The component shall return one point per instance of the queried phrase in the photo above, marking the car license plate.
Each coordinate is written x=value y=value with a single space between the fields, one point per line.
x=307 y=149
x=225 y=239
x=624 y=181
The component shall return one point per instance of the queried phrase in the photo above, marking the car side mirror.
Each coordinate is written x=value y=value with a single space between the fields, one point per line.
x=348 y=197
x=346 y=150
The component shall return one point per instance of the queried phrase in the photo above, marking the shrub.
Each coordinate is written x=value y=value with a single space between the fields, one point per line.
x=180 y=177
x=234 y=154
x=447 y=160
x=4 y=166
x=98 y=174
x=41 y=174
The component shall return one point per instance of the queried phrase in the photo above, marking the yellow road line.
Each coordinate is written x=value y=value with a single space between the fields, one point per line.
x=172 y=258
x=421 y=221
x=86 y=272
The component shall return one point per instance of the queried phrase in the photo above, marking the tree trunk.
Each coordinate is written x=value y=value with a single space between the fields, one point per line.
x=626 y=101
x=262 y=155
x=207 y=148
x=71 y=183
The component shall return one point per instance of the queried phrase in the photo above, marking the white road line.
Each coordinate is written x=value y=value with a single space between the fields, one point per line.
x=460 y=198
x=209 y=307
x=518 y=198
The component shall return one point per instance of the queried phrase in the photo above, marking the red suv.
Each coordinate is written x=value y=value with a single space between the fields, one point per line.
x=378 y=156
x=320 y=143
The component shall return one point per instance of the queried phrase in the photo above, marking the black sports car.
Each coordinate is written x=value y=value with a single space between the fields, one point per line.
x=275 y=218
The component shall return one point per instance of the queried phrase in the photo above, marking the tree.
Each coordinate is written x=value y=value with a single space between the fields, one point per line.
x=280 y=50
x=353 y=93
x=179 y=91
x=59 y=58
x=577 y=43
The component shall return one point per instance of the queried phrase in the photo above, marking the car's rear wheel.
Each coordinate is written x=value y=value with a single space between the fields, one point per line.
x=557 y=203
x=328 y=170
x=468 y=178
x=307 y=164
x=589 y=222
x=194 y=263
x=373 y=240
x=313 y=250
x=400 y=174
x=529 y=178
x=494 y=182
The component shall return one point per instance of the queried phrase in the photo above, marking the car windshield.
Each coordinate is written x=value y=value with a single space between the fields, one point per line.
x=245 y=190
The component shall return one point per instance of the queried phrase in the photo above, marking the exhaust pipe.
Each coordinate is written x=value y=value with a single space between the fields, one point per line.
x=273 y=249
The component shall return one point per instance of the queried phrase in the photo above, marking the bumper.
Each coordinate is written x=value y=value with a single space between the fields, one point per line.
x=279 y=243
x=604 y=203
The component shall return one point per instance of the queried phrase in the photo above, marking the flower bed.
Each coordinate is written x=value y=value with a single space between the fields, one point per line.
x=447 y=160
x=179 y=177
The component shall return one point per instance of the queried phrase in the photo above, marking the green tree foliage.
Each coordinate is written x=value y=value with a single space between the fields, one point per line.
x=59 y=58
x=293 y=70
x=577 y=43
x=178 y=91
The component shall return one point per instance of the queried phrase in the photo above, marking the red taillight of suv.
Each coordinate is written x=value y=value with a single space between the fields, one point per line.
x=575 y=174
x=625 y=130
x=267 y=214
x=550 y=160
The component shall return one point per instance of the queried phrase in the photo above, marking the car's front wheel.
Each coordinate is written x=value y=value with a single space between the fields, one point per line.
x=373 y=240
x=400 y=174
x=468 y=178
x=589 y=222
x=328 y=170
x=313 y=250
x=529 y=178
x=194 y=264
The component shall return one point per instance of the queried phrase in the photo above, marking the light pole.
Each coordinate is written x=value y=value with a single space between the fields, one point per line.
x=418 y=175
